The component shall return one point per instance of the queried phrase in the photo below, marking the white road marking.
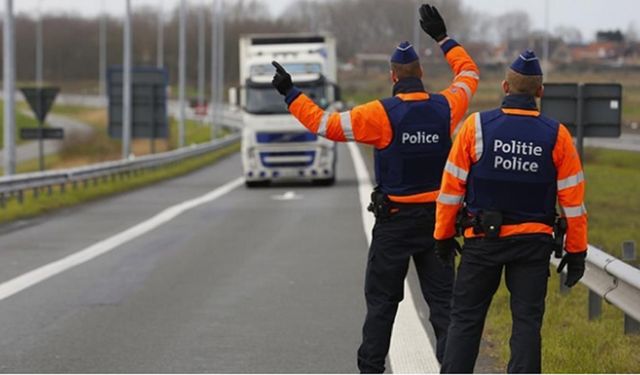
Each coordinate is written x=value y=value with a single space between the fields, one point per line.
x=38 y=275
x=411 y=351
x=288 y=196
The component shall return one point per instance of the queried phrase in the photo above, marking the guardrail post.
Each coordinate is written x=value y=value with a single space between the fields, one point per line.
x=20 y=196
x=36 y=192
x=62 y=187
x=631 y=326
x=629 y=251
x=2 y=200
x=595 y=305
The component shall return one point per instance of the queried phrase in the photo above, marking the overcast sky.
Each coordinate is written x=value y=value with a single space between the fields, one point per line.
x=587 y=15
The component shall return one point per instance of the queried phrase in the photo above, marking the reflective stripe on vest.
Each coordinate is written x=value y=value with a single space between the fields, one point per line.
x=414 y=160
x=515 y=173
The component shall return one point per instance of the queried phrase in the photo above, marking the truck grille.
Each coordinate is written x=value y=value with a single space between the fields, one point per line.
x=286 y=137
x=288 y=159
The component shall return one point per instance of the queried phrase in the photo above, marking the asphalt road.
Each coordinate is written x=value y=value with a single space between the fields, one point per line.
x=254 y=281
x=626 y=142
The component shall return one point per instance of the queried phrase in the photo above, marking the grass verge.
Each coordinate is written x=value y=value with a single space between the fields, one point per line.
x=571 y=343
x=33 y=206
x=22 y=121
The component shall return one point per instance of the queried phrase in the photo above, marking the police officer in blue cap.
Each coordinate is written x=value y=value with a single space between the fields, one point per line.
x=510 y=167
x=411 y=132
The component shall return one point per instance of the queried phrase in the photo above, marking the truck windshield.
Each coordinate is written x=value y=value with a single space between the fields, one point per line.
x=264 y=99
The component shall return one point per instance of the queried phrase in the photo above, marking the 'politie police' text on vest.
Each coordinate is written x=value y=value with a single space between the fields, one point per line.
x=512 y=152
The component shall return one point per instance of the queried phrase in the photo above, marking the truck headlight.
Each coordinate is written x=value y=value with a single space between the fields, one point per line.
x=252 y=157
x=324 y=152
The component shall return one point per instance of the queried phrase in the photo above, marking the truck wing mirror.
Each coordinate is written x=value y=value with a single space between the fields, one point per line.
x=337 y=92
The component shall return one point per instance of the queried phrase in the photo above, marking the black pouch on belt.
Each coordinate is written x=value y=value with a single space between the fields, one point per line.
x=380 y=204
x=491 y=222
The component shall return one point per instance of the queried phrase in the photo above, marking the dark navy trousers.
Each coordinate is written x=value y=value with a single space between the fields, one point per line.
x=407 y=234
x=525 y=260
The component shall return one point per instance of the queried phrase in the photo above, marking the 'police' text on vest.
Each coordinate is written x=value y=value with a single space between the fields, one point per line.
x=420 y=138
x=513 y=159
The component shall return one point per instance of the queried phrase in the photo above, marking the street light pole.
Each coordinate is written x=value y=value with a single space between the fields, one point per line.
x=102 y=51
x=126 y=85
x=201 y=58
x=160 y=46
x=545 y=47
x=39 y=45
x=217 y=64
x=182 y=62
x=9 y=78
x=417 y=31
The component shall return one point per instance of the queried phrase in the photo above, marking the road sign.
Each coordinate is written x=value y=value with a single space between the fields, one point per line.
x=41 y=133
x=601 y=112
x=40 y=99
x=588 y=110
x=149 y=102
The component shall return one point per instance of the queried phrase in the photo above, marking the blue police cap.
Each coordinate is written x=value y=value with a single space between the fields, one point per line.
x=527 y=64
x=404 y=54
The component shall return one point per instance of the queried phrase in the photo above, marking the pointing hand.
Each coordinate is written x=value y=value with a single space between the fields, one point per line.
x=281 y=80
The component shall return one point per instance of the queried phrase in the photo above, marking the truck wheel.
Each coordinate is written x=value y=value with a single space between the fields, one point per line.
x=257 y=184
x=324 y=181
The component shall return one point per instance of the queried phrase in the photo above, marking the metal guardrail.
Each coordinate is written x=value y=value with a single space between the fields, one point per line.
x=612 y=279
x=16 y=185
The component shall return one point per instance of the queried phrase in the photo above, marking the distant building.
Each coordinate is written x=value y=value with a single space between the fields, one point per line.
x=598 y=51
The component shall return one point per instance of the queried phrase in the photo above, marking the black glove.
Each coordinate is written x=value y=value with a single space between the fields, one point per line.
x=446 y=250
x=575 y=267
x=281 y=80
x=432 y=22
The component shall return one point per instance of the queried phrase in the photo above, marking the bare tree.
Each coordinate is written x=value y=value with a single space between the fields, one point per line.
x=513 y=25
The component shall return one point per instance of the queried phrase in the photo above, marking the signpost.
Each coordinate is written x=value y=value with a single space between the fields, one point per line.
x=149 y=103
x=41 y=100
x=588 y=110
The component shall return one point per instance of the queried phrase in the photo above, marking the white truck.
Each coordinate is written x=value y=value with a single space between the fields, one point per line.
x=275 y=146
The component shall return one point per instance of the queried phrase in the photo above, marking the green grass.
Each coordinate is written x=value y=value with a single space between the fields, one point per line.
x=194 y=132
x=44 y=203
x=612 y=198
x=572 y=343
x=22 y=121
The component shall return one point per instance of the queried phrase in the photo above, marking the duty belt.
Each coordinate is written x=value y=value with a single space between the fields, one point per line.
x=382 y=207
x=489 y=222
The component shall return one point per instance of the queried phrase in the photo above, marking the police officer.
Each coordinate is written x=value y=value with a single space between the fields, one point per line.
x=411 y=132
x=509 y=166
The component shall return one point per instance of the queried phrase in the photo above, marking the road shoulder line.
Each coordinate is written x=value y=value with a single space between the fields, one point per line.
x=38 y=275
x=411 y=351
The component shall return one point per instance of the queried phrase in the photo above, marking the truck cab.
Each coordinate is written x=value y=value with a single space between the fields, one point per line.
x=275 y=146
